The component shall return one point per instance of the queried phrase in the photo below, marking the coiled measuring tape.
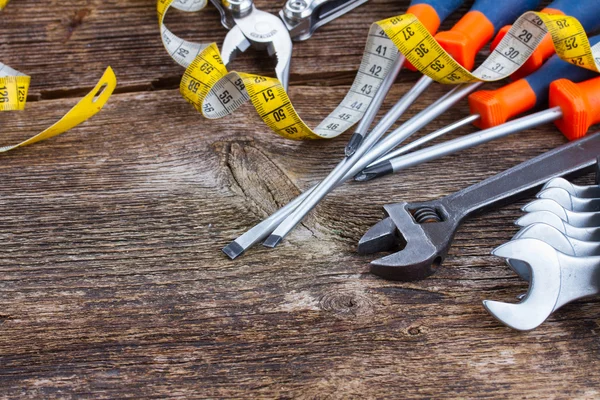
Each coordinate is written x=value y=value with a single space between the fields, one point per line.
x=14 y=87
x=216 y=93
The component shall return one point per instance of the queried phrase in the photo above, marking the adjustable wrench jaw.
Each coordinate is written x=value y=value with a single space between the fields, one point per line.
x=422 y=231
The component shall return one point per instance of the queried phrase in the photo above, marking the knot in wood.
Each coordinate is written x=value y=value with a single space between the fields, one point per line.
x=346 y=303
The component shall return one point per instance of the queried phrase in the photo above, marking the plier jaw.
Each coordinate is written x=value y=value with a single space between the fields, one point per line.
x=256 y=28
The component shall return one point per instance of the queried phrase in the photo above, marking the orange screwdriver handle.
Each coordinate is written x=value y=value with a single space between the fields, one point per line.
x=431 y=13
x=478 y=26
x=580 y=104
x=495 y=107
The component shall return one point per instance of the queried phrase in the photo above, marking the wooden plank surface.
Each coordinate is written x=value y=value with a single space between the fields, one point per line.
x=112 y=284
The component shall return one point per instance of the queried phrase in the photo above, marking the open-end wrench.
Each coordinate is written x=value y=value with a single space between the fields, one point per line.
x=579 y=219
x=556 y=279
x=569 y=201
x=546 y=217
x=427 y=229
x=583 y=192
x=555 y=238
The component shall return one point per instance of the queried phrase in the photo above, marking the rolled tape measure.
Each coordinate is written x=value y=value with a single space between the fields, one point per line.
x=216 y=93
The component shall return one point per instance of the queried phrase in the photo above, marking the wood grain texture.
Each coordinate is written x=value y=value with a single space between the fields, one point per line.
x=112 y=284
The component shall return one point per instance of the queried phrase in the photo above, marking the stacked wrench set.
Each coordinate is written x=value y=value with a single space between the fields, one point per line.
x=419 y=234
x=557 y=251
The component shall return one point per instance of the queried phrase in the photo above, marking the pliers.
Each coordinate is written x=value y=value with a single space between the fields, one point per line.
x=249 y=26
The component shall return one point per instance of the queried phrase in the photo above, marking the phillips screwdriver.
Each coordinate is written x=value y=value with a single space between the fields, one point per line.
x=586 y=12
x=463 y=42
x=431 y=13
x=491 y=108
x=574 y=107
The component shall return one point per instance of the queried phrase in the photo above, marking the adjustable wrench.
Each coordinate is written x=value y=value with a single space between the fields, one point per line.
x=426 y=230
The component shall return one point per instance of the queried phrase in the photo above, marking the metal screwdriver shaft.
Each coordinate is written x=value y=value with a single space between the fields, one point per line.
x=426 y=139
x=263 y=229
x=362 y=158
x=484 y=14
x=458 y=144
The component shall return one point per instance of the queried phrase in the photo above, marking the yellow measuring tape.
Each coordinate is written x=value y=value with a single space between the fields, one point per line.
x=422 y=50
x=85 y=109
x=216 y=93
x=14 y=86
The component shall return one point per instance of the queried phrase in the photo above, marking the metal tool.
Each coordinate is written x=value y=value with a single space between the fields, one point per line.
x=424 y=231
x=579 y=219
x=249 y=26
x=490 y=108
x=555 y=238
x=470 y=45
x=548 y=218
x=431 y=13
x=556 y=279
x=568 y=201
x=263 y=229
x=573 y=110
x=583 y=192
x=303 y=17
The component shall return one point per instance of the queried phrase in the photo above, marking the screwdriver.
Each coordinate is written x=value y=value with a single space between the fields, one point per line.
x=487 y=105
x=463 y=42
x=491 y=108
x=586 y=12
x=430 y=13
x=260 y=231
x=574 y=107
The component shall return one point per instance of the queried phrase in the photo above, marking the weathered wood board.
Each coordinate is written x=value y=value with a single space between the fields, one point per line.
x=112 y=284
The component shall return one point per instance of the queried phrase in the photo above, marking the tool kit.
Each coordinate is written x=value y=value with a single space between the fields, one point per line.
x=552 y=58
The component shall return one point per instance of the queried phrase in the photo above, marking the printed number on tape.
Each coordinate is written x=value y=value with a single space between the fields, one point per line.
x=14 y=86
x=216 y=93
x=422 y=50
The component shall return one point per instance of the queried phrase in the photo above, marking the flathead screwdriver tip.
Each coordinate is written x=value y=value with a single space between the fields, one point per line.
x=233 y=250
x=353 y=144
x=376 y=171
x=272 y=241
